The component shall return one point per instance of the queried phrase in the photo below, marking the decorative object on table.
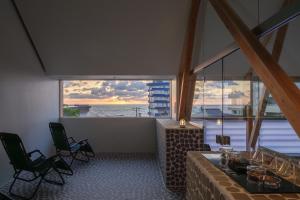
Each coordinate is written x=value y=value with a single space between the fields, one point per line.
x=223 y=140
x=257 y=179
x=271 y=182
x=237 y=162
x=276 y=162
x=225 y=150
x=256 y=173
x=64 y=144
x=22 y=161
x=182 y=123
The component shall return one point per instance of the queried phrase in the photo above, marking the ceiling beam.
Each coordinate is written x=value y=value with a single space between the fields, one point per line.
x=284 y=16
x=276 y=52
x=282 y=88
x=186 y=60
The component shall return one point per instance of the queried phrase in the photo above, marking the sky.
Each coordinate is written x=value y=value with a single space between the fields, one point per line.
x=235 y=93
x=105 y=92
x=136 y=92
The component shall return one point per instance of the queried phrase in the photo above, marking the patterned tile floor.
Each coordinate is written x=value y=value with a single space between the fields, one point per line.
x=108 y=177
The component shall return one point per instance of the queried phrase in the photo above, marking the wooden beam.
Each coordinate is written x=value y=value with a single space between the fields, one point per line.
x=265 y=42
x=186 y=60
x=249 y=120
x=190 y=97
x=249 y=124
x=282 y=88
x=284 y=16
x=277 y=49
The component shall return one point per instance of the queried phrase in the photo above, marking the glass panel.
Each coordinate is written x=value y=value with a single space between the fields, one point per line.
x=276 y=133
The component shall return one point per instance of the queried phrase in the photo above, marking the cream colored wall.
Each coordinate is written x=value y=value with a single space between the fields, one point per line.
x=28 y=100
x=126 y=135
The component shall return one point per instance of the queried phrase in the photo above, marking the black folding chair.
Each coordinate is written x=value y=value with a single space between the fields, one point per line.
x=22 y=161
x=69 y=145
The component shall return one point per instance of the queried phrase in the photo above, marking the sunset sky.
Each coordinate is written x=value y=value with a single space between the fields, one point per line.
x=105 y=92
x=136 y=92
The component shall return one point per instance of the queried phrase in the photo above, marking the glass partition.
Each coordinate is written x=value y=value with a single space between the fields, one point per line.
x=222 y=98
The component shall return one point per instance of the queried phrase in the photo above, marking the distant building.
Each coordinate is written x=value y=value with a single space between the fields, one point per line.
x=159 y=98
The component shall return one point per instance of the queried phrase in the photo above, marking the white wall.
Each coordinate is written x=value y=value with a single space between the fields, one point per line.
x=28 y=100
x=126 y=135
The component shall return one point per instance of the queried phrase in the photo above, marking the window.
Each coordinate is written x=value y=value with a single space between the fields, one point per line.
x=207 y=110
x=208 y=99
x=116 y=98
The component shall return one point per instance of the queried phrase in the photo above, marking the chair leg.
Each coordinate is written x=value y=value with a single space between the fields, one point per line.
x=22 y=197
x=63 y=167
x=55 y=182
x=82 y=160
x=88 y=150
x=85 y=155
x=73 y=155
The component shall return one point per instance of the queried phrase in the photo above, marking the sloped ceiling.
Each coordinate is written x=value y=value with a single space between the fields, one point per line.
x=141 y=37
x=107 y=37
x=215 y=38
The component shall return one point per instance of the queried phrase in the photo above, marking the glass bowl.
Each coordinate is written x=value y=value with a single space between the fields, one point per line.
x=272 y=182
x=256 y=173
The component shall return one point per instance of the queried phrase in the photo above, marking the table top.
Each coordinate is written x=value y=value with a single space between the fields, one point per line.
x=226 y=185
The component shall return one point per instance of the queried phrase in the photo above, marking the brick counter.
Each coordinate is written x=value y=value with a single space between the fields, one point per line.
x=207 y=182
x=173 y=144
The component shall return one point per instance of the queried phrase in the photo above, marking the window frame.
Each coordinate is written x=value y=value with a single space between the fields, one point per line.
x=61 y=97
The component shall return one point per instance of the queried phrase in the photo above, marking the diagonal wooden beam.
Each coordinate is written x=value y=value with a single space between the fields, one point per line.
x=249 y=108
x=284 y=16
x=282 y=88
x=277 y=49
x=265 y=42
x=183 y=78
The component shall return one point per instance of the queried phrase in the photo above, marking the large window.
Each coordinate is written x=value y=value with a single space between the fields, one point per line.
x=208 y=99
x=116 y=98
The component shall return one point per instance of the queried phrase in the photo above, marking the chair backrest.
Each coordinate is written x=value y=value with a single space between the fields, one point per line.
x=59 y=136
x=15 y=150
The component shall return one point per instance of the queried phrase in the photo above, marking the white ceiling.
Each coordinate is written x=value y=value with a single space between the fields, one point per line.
x=107 y=37
x=125 y=38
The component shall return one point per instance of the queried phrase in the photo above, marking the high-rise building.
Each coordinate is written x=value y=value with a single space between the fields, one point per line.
x=159 y=98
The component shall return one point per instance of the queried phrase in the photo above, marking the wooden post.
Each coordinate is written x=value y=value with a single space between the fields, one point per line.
x=190 y=97
x=184 y=75
x=249 y=112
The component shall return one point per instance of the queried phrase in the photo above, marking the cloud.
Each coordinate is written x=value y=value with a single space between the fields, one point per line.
x=121 y=90
x=213 y=84
x=236 y=95
x=231 y=83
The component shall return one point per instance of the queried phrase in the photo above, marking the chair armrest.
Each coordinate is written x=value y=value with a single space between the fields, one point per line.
x=72 y=139
x=36 y=151
x=82 y=141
